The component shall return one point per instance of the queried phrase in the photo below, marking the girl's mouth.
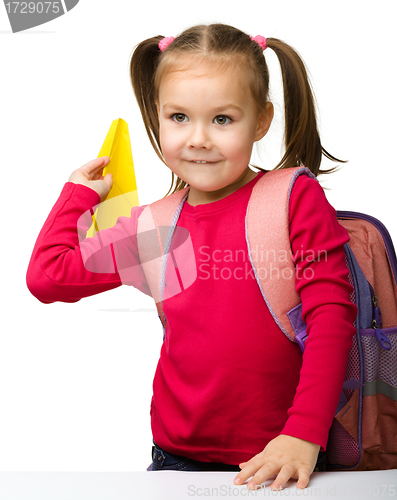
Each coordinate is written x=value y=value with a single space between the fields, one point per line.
x=203 y=161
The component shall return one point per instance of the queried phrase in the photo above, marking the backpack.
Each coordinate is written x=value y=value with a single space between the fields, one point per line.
x=363 y=435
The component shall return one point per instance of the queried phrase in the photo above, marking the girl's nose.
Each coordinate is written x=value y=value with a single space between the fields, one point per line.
x=199 y=138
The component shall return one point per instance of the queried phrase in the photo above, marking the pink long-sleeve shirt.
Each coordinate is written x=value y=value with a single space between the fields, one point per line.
x=228 y=380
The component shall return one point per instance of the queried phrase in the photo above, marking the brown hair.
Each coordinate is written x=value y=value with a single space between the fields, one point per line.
x=229 y=46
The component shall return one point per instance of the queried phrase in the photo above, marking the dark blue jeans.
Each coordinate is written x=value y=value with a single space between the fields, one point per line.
x=163 y=460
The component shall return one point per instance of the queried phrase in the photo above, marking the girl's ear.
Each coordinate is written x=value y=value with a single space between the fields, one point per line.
x=264 y=121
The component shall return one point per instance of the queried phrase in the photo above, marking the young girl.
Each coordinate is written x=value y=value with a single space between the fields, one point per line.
x=230 y=391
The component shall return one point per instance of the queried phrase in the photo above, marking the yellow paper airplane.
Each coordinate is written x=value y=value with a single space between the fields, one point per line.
x=124 y=194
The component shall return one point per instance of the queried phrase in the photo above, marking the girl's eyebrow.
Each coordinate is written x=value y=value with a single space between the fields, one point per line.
x=226 y=107
x=216 y=110
x=173 y=106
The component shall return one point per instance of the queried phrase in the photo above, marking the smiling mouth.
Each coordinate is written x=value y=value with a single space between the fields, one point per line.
x=202 y=161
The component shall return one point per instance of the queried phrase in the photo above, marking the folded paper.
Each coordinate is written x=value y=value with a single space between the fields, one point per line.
x=124 y=194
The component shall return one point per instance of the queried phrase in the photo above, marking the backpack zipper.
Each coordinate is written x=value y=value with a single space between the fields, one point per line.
x=376 y=313
x=377 y=322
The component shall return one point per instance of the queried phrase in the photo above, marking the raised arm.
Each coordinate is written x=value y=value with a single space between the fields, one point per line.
x=62 y=267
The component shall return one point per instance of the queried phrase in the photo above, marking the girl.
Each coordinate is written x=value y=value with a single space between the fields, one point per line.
x=230 y=391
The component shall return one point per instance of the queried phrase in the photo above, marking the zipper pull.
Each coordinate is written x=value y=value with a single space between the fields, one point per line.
x=377 y=322
x=377 y=325
x=381 y=337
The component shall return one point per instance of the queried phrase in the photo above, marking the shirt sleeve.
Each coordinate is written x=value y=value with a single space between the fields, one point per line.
x=65 y=266
x=317 y=241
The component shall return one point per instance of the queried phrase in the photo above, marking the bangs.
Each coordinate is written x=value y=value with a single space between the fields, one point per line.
x=210 y=64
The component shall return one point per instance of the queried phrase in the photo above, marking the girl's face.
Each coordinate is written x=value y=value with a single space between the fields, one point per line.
x=208 y=125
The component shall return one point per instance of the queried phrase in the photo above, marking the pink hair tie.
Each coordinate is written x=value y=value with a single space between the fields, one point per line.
x=165 y=42
x=260 y=40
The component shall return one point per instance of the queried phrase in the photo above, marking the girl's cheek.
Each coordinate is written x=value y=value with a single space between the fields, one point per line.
x=165 y=140
x=172 y=142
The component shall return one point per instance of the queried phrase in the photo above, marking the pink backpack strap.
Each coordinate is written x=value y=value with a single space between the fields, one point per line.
x=156 y=225
x=268 y=241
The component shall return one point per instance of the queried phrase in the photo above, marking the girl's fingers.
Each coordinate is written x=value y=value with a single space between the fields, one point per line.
x=109 y=180
x=95 y=165
x=269 y=469
x=304 y=478
x=283 y=476
x=251 y=469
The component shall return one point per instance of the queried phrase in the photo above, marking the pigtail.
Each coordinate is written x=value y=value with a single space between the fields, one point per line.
x=302 y=139
x=142 y=70
x=143 y=65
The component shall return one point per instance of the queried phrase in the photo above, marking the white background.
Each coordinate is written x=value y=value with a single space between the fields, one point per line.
x=76 y=379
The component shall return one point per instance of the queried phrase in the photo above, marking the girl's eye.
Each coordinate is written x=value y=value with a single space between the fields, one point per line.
x=179 y=117
x=222 y=120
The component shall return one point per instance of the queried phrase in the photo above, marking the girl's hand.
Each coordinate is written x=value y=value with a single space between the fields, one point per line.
x=284 y=456
x=90 y=175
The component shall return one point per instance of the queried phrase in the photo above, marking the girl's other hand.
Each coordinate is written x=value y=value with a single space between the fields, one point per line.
x=90 y=175
x=286 y=457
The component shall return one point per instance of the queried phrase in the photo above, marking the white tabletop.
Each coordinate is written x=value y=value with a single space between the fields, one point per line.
x=177 y=485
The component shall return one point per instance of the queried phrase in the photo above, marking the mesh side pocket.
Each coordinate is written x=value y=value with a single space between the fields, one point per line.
x=353 y=366
x=342 y=448
x=379 y=363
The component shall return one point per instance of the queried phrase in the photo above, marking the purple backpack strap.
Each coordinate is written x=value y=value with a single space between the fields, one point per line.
x=269 y=248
